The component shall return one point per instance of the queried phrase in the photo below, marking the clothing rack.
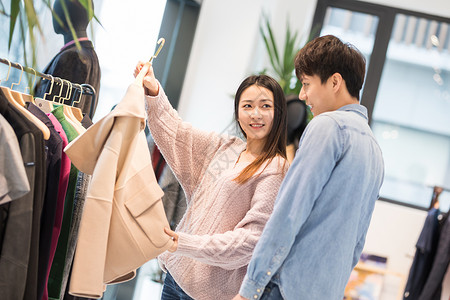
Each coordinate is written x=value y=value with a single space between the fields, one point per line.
x=86 y=89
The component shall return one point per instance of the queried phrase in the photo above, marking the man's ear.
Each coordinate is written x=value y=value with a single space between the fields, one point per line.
x=336 y=81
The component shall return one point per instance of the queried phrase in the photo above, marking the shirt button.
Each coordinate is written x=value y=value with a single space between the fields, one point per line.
x=258 y=290
x=256 y=296
x=268 y=273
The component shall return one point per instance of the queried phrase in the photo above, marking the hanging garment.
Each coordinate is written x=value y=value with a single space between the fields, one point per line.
x=123 y=222
x=13 y=177
x=86 y=122
x=77 y=66
x=31 y=285
x=174 y=199
x=62 y=189
x=423 y=259
x=14 y=184
x=53 y=168
x=158 y=162
x=433 y=286
x=57 y=268
x=80 y=197
x=19 y=241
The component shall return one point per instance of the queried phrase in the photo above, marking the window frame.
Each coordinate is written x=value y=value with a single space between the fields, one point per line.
x=178 y=26
x=386 y=15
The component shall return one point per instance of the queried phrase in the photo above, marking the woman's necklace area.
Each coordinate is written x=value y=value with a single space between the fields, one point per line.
x=245 y=157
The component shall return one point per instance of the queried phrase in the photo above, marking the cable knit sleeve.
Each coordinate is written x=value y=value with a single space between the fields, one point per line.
x=233 y=249
x=187 y=150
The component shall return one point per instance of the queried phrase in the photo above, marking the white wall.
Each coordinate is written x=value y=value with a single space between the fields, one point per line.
x=223 y=45
x=227 y=47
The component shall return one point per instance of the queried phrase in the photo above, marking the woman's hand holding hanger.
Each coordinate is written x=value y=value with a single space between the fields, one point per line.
x=150 y=83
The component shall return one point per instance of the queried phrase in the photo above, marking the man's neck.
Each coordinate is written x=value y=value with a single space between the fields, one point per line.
x=347 y=100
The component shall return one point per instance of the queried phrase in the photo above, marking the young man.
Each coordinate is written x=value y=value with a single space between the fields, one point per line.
x=317 y=230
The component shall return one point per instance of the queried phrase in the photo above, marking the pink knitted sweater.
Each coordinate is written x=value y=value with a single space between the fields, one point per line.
x=224 y=219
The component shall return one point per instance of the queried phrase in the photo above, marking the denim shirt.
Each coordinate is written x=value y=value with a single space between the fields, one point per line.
x=322 y=212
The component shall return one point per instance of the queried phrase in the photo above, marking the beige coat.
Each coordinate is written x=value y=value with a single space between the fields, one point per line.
x=123 y=219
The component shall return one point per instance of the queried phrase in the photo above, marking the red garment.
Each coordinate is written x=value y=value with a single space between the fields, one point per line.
x=63 y=182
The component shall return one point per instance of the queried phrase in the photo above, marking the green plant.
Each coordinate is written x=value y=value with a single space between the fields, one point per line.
x=24 y=12
x=282 y=63
x=283 y=66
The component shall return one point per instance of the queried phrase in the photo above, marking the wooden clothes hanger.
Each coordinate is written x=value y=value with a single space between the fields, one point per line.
x=68 y=109
x=23 y=97
x=57 y=104
x=78 y=127
x=17 y=95
x=77 y=111
x=21 y=106
x=29 y=97
x=46 y=105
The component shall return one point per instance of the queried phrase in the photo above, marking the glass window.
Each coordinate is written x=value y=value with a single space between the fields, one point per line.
x=411 y=113
x=406 y=92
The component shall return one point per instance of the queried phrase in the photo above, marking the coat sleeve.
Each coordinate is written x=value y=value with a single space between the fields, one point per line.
x=187 y=150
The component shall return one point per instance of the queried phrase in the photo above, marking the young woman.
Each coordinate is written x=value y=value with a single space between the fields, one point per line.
x=230 y=187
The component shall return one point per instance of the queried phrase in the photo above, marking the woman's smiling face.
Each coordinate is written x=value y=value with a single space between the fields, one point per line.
x=256 y=111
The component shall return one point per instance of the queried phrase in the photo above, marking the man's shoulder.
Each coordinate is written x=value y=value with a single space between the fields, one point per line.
x=344 y=118
x=326 y=120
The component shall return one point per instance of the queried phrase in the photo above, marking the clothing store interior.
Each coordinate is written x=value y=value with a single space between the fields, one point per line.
x=209 y=47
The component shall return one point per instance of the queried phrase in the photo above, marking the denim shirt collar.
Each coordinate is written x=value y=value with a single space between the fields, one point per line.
x=357 y=108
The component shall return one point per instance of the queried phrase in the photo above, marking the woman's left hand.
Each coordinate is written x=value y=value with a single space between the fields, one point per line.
x=174 y=237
